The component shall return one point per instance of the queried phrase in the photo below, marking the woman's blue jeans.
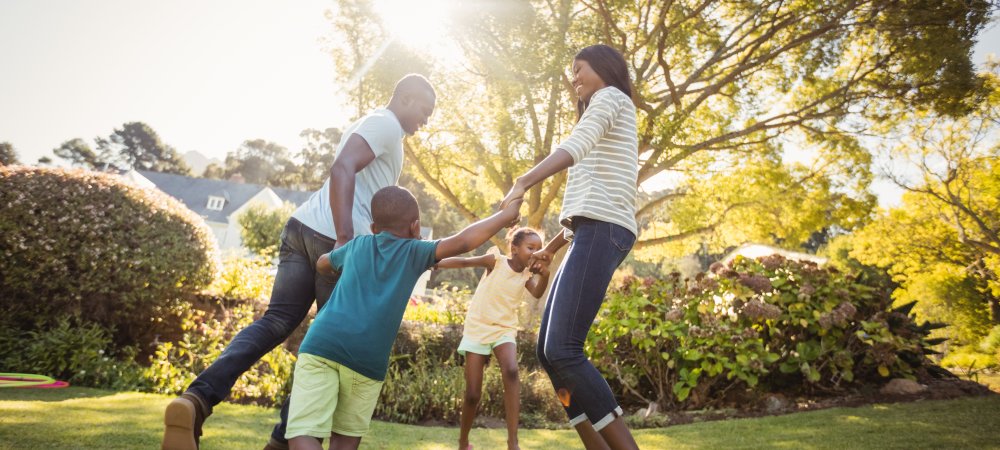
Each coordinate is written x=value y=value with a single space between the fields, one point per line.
x=597 y=249
x=296 y=285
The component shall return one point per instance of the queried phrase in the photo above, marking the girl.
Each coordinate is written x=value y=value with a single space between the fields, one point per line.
x=598 y=214
x=491 y=324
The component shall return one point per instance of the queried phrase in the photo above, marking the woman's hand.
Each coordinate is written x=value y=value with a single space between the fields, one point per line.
x=516 y=192
x=540 y=260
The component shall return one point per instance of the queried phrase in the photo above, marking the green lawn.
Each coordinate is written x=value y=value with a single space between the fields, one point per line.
x=91 y=418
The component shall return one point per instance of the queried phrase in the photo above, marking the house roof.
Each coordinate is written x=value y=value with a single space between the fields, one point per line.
x=194 y=193
x=292 y=196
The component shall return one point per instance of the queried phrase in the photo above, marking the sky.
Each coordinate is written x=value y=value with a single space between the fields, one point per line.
x=205 y=75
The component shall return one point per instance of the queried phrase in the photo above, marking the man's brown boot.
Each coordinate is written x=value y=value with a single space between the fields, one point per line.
x=183 y=419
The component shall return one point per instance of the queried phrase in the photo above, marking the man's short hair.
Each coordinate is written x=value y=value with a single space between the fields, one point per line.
x=394 y=208
x=411 y=84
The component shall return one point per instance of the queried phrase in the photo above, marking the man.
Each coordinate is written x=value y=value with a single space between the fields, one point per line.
x=369 y=158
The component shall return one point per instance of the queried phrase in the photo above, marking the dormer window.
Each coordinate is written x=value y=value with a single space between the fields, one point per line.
x=216 y=203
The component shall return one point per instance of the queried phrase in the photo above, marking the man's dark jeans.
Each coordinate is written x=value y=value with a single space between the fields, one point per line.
x=575 y=298
x=296 y=285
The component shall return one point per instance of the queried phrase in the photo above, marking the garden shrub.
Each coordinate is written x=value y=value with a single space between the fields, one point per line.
x=89 y=245
x=80 y=353
x=765 y=325
x=420 y=388
x=426 y=378
x=175 y=364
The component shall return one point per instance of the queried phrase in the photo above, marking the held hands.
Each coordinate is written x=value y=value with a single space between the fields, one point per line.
x=516 y=194
x=512 y=208
x=539 y=262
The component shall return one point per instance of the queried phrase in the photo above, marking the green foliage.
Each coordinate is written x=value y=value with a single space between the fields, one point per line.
x=91 y=246
x=760 y=105
x=426 y=380
x=763 y=325
x=941 y=244
x=174 y=365
x=133 y=146
x=80 y=353
x=447 y=306
x=262 y=162
x=8 y=156
x=244 y=279
x=260 y=228
x=136 y=146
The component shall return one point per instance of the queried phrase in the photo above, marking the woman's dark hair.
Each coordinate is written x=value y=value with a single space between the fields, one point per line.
x=610 y=65
x=516 y=235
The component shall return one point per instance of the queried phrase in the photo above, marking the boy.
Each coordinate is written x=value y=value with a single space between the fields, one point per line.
x=344 y=357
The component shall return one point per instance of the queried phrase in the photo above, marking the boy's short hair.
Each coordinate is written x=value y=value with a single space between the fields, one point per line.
x=394 y=208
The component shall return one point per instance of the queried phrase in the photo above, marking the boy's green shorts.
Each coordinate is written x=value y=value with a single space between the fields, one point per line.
x=328 y=397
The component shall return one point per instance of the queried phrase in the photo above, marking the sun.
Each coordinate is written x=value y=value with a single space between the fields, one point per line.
x=421 y=25
x=415 y=23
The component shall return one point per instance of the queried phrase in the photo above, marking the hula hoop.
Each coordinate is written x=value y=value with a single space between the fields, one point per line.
x=29 y=380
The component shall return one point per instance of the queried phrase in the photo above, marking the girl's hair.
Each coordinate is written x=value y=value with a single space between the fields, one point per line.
x=610 y=65
x=516 y=235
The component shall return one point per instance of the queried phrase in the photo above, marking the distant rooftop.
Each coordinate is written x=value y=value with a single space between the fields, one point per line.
x=194 y=193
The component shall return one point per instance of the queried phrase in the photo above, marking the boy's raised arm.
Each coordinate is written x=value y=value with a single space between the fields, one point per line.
x=476 y=234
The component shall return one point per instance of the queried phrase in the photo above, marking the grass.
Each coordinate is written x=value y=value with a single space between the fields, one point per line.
x=91 y=418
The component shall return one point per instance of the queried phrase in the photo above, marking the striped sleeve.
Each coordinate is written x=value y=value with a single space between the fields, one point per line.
x=596 y=121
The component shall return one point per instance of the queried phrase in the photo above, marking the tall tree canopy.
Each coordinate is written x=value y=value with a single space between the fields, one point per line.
x=133 y=146
x=942 y=244
x=749 y=112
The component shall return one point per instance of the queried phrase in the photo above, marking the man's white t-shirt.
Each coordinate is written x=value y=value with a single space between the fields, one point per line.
x=383 y=133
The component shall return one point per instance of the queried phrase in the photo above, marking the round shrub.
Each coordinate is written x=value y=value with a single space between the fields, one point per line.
x=91 y=246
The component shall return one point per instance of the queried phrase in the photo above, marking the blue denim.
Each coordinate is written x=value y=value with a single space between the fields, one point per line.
x=597 y=249
x=296 y=285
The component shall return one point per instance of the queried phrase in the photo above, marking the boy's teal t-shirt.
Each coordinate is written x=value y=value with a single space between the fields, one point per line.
x=358 y=324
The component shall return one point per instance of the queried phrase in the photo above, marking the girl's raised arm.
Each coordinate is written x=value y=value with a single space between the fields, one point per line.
x=487 y=261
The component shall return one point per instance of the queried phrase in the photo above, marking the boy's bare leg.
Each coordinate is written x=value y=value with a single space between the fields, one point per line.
x=507 y=359
x=617 y=436
x=592 y=440
x=474 y=364
x=341 y=442
x=304 y=443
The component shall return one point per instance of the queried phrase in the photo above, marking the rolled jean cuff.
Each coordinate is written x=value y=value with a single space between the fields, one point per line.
x=577 y=420
x=600 y=424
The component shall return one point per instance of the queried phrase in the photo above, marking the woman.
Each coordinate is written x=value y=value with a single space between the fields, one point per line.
x=598 y=214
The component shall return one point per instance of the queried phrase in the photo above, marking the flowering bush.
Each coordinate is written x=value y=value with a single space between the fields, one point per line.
x=88 y=245
x=766 y=324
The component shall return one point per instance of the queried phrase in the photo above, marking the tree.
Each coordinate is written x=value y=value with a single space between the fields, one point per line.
x=941 y=244
x=79 y=154
x=136 y=145
x=722 y=88
x=262 y=162
x=214 y=171
x=8 y=156
x=317 y=156
x=260 y=228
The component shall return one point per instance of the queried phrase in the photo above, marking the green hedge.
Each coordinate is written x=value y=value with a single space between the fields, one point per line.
x=88 y=245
